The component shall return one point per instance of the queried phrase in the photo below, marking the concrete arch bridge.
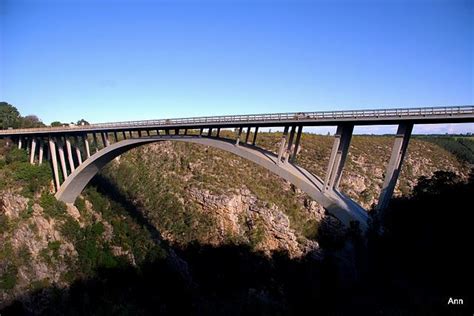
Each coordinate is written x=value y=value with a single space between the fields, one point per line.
x=68 y=148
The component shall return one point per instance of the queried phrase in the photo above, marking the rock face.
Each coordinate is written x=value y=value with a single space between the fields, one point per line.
x=240 y=215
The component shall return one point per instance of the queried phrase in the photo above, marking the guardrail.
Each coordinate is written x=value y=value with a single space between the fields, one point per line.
x=275 y=117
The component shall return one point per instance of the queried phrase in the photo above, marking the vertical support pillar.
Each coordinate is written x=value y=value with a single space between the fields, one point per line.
x=209 y=133
x=69 y=154
x=19 y=142
x=130 y=134
x=339 y=152
x=124 y=135
x=148 y=132
x=282 y=144
x=139 y=133
x=238 y=136
x=40 y=154
x=105 y=139
x=96 y=143
x=247 y=135
x=185 y=131
x=78 y=151
x=62 y=160
x=54 y=160
x=200 y=131
x=86 y=145
x=157 y=132
x=297 y=143
x=32 y=151
x=176 y=131
x=218 y=132
x=255 y=136
x=167 y=132
x=115 y=137
x=394 y=167
x=290 y=143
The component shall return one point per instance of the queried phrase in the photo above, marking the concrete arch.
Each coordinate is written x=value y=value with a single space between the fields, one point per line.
x=334 y=202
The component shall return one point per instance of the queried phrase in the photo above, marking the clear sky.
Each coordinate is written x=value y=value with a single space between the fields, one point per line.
x=108 y=60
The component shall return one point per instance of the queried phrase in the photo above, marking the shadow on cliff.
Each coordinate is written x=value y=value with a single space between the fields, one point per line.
x=414 y=267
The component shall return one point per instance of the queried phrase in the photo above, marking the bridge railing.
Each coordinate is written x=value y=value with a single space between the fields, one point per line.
x=274 y=117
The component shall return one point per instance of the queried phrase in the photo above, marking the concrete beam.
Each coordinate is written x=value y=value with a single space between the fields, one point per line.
x=69 y=154
x=105 y=139
x=394 y=166
x=54 y=161
x=247 y=135
x=78 y=151
x=62 y=160
x=86 y=145
x=32 y=151
x=297 y=143
x=237 y=141
x=339 y=152
x=282 y=144
x=40 y=154
x=290 y=143
x=96 y=143
x=255 y=136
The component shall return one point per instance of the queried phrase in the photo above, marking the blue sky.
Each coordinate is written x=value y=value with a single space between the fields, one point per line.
x=129 y=60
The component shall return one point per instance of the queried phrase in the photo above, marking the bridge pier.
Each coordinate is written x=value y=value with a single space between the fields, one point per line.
x=218 y=132
x=105 y=139
x=78 y=151
x=338 y=156
x=247 y=135
x=86 y=145
x=19 y=143
x=62 y=160
x=32 y=151
x=237 y=141
x=282 y=144
x=255 y=136
x=290 y=143
x=54 y=161
x=40 y=153
x=69 y=154
x=96 y=143
x=297 y=143
x=394 y=166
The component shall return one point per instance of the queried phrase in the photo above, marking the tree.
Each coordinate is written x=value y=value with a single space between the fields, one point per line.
x=9 y=116
x=31 y=121
x=56 y=124
x=82 y=122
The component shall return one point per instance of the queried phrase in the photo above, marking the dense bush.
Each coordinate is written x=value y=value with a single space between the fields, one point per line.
x=52 y=207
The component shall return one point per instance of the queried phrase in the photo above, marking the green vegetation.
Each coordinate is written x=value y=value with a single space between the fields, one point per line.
x=51 y=207
x=461 y=147
x=11 y=118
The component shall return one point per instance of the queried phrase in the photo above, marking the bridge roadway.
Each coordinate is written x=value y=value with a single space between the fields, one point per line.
x=76 y=166
x=427 y=115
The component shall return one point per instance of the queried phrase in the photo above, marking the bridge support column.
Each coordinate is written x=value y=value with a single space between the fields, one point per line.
x=290 y=143
x=62 y=159
x=247 y=135
x=86 y=145
x=115 y=137
x=237 y=141
x=200 y=131
x=19 y=142
x=186 y=131
x=297 y=143
x=32 y=151
x=105 y=139
x=218 y=132
x=339 y=152
x=209 y=132
x=40 y=153
x=148 y=132
x=124 y=135
x=255 y=136
x=54 y=161
x=130 y=134
x=139 y=133
x=78 y=151
x=282 y=144
x=69 y=155
x=399 y=149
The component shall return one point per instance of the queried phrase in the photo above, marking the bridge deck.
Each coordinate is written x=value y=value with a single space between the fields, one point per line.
x=357 y=117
